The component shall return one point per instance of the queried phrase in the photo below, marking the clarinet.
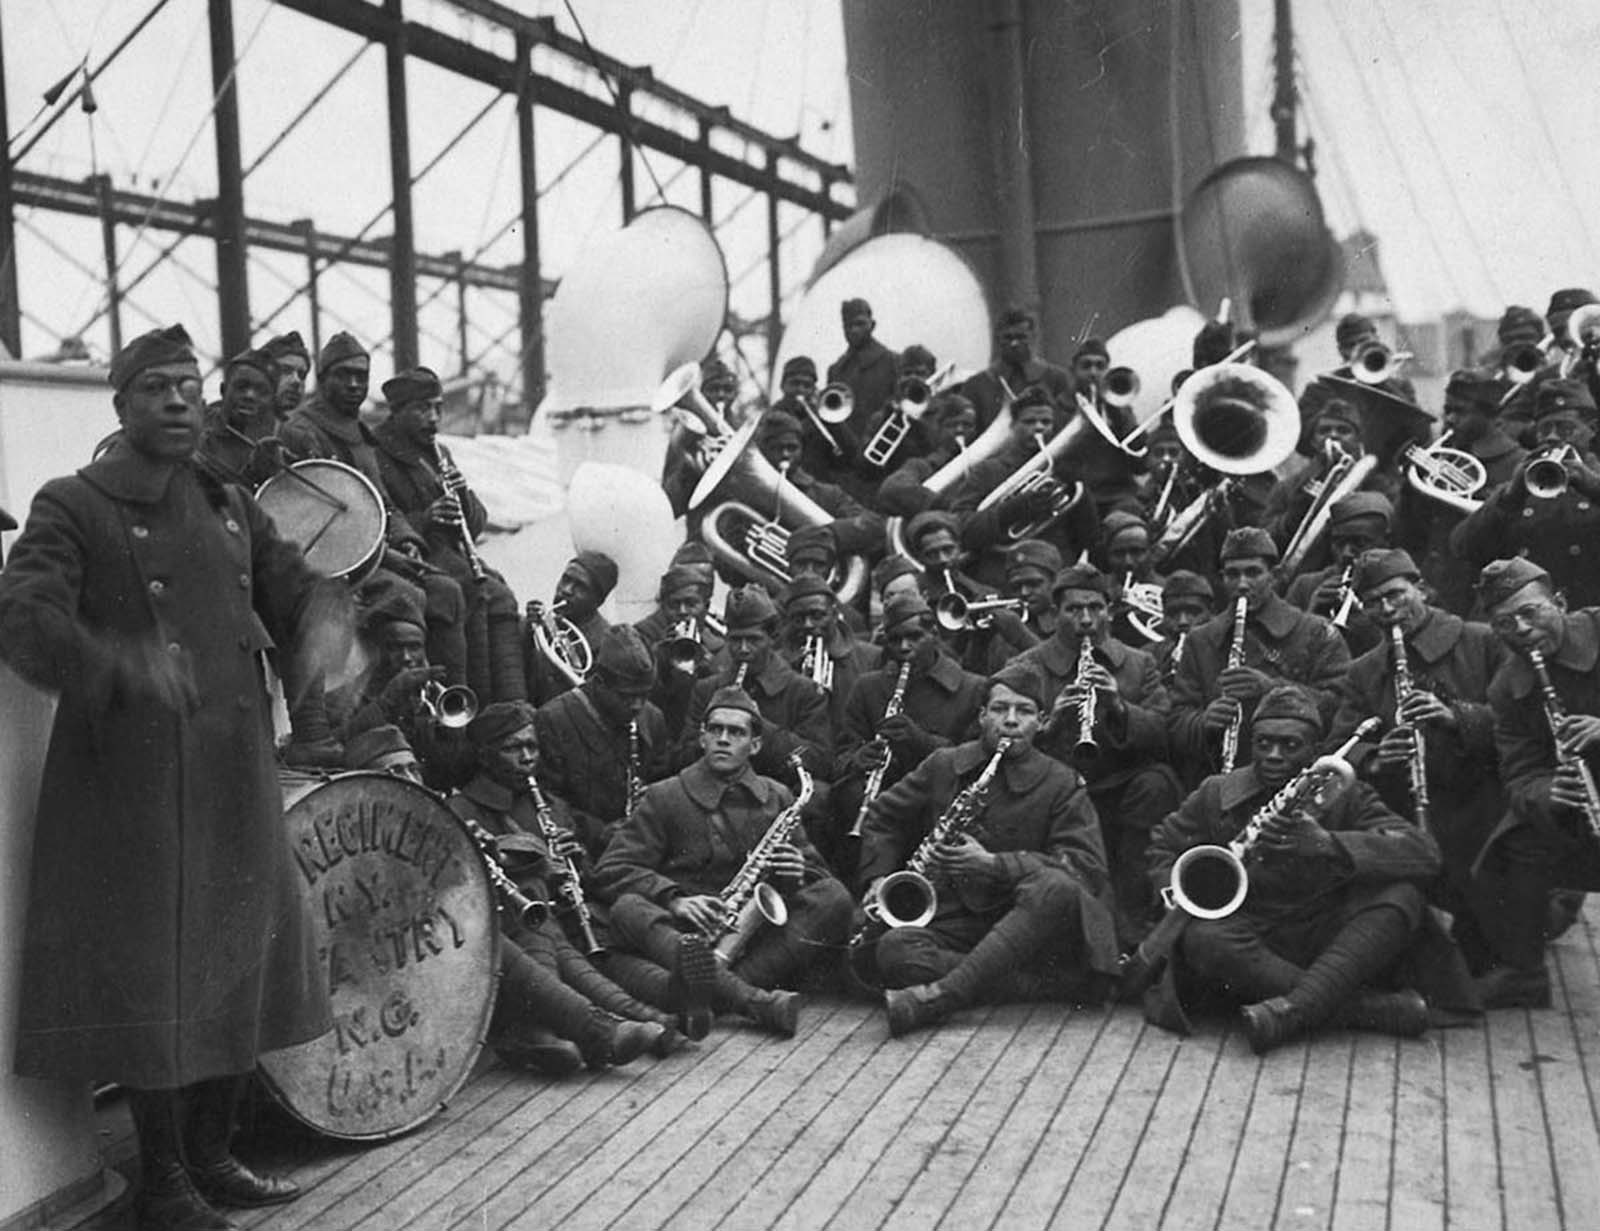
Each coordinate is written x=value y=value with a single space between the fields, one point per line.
x=1555 y=711
x=1230 y=737
x=1404 y=690
x=455 y=484
x=571 y=889
x=897 y=705
x=1086 y=742
x=635 y=787
x=529 y=911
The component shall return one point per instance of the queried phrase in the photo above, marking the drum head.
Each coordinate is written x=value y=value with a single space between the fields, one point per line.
x=332 y=511
x=405 y=927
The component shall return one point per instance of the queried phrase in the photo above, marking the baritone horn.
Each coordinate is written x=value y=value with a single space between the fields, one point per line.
x=750 y=510
x=1451 y=476
x=1235 y=418
x=562 y=642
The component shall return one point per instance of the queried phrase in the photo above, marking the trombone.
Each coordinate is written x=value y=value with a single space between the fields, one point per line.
x=915 y=396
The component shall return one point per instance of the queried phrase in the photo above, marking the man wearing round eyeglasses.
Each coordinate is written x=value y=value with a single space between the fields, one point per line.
x=1555 y=526
x=1450 y=663
x=1550 y=835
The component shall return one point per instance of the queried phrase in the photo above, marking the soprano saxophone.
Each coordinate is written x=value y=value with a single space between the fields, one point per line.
x=1230 y=737
x=1404 y=690
x=570 y=888
x=896 y=705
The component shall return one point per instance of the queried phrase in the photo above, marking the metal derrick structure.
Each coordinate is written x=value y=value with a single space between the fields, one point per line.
x=720 y=147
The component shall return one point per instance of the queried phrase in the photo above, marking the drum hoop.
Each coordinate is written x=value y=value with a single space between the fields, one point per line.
x=297 y=788
x=362 y=569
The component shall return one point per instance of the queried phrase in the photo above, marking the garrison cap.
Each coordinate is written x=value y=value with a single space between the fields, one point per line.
x=1563 y=302
x=497 y=721
x=1472 y=390
x=387 y=603
x=809 y=586
x=1289 y=701
x=260 y=359
x=1361 y=504
x=1120 y=522
x=622 y=661
x=890 y=567
x=1092 y=346
x=412 y=385
x=854 y=307
x=148 y=350
x=1030 y=396
x=917 y=355
x=1080 y=577
x=1020 y=677
x=599 y=568
x=290 y=343
x=1556 y=396
x=748 y=607
x=929 y=520
x=682 y=577
x=903 y=607
x=775 y=424
x=1186 y=584
x=731 y=698
x=1501 y=579
x=815 y=543
x=1034 y=554
x=339 y=349
x=1249 y=542
x=1352 y=327
x=1382 y=564
x=1519 y=324
x=800 y=365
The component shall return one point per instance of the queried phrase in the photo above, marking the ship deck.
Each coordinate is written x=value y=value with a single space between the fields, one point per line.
x=1019 y=1116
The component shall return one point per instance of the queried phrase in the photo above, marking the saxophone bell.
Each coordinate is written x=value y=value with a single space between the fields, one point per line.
x=903 y=899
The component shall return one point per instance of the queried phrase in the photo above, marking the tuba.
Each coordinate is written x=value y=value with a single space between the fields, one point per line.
x=1450 y=476
x=563 y=643
x=736 y=492
x=1210 y=882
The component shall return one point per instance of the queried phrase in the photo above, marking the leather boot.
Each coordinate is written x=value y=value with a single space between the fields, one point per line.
x=693 y=987
x=208 y=1135
x=311 y=743
x=1403 y=1014
x=538 y=1051
x=1514 y=987
x=166 y=1199
x=776 y=1011
x=911 y=1008
x=1271 y=1023
x=609 y=1043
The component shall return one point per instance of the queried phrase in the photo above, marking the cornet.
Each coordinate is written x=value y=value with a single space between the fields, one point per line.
x=1547 y=475
x=1451 y=476
x=452 y=707
x=683 y=648
x=955 y=612
x=816 y=664
x=1373 y=363
x=563 y=643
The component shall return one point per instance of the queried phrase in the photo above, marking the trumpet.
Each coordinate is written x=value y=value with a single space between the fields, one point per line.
x=816 y=664
x=684 y=647
x=1210 y=882
x=1451 y=476
x=1373 y=362
x=955 y=612
x=1547 y=475
x=915 y=395
x=453 y=707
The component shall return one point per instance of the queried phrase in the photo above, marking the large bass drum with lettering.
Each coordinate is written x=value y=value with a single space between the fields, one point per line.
x=404 y=915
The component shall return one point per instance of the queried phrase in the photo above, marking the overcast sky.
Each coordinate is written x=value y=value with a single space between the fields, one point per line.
x=1459 y=132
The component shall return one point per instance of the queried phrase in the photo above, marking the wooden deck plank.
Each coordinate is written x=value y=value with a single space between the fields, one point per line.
x=1105 y=1166
x=1473 y=1175
x=1171 y=1134
x=1526 y=1163
x=874 y=1135
x=1260 y=1167
x=1417 y=1200
x=1054 y=1161
x=1306 y=1199
x=1199 y=1188
x=665 y=1163
x=857 y=1036
x=973 y=1133
x=994 y=1177
x=917 y=1148
x=1363 y=1175
x=1567 y=1084
x=792 y=1171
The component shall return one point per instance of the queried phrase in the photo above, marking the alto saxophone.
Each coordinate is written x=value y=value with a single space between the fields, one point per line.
x=571 y=881
x=1230 y=737
x=1404 y=690
x=1555 y=711
x=896 y=705
x=749 y=899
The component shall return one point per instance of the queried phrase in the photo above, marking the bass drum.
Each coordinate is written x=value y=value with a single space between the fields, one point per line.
x=404 y=916
x=333 y=512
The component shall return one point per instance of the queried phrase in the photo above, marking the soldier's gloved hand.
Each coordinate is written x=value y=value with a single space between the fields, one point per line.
x=1219 y=715
x=402 y=696
x=1298 y=834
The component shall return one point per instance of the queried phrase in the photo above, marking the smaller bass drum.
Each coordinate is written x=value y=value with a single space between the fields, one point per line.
x=404 y=918
x=333 y=512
